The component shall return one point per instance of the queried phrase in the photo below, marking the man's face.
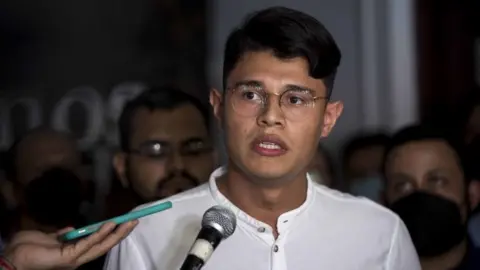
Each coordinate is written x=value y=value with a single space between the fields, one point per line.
x=40 y=152
x=170 y=152
x=297 y=138
x=37 y=154
x=430 y=166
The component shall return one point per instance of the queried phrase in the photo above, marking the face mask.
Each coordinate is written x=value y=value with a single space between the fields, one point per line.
x=55 y=198
x=434 y=223
x=369 y=187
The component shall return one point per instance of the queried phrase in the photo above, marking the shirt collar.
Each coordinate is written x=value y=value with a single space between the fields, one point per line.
x=284 y=221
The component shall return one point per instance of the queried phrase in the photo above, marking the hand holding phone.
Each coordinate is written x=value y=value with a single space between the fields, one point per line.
x=77 y=233
x=38 y=250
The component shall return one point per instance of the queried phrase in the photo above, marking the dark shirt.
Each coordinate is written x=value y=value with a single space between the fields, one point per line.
x=471 y=261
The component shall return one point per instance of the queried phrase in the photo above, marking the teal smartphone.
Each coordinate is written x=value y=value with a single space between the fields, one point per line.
x=82 y=232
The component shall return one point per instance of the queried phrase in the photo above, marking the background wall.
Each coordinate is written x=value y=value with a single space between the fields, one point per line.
x=73 y=64
x=448 y=57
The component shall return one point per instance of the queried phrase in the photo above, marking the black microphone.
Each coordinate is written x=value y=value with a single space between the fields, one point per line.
x=218 y=223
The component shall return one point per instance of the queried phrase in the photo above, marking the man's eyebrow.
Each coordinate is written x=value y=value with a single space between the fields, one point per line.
x=297 y=88
x=248 y=83
x=288 y=87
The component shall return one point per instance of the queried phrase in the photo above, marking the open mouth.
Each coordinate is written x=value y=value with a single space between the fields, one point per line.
x=269 y=145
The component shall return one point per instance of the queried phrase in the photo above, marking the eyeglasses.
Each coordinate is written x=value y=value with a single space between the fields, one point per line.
x=251 y=101
x=161 y=150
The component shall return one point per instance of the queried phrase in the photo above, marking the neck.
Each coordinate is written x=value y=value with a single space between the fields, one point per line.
x=265 y=203
x=448 y=260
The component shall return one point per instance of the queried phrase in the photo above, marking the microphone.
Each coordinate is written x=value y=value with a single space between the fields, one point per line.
x=218 y=223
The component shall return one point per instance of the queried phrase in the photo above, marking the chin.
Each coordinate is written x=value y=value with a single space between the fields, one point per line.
x=267 y=171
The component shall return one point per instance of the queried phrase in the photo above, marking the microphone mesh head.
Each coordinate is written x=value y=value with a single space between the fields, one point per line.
x=220 y=218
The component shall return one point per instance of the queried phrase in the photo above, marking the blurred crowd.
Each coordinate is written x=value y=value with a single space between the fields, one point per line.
x=426 y=174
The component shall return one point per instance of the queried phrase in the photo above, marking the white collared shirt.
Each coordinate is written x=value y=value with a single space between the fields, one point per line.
x=331 y=231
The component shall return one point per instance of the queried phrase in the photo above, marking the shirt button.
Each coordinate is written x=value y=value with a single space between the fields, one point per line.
x=275 y=248
x=261 y=229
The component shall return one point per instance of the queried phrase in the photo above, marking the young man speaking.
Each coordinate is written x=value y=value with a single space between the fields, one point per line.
x=278 y=74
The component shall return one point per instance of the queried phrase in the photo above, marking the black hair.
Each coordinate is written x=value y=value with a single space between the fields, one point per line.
x=361 y=141
x=155 y=98
x=288 y=34
x=10 y=156
x=419 y=132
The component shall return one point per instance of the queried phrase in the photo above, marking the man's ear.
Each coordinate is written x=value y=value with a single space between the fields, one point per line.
x=217 y=104
x=333 y=111
x=474 y=193
x=120 y=165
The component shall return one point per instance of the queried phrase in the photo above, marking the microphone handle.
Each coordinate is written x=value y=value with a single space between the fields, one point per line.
x=192 y=262
x=207 y=240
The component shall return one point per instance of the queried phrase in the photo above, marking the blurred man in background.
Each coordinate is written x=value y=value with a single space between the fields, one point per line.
x=427 y=187
x=362 y=162
x=49 y=184
x=166 y=146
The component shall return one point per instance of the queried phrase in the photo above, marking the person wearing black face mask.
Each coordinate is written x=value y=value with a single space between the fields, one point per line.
x=426 y=187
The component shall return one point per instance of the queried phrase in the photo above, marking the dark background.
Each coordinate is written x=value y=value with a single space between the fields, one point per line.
x=447 y=32
x=49 y=48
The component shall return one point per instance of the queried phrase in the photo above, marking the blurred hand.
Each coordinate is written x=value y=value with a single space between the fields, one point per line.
x=34 y=250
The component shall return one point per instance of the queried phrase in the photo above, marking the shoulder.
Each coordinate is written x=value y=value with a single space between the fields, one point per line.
x=191 y=203
x=191 y=195
x=379 y=231
x=167 y=234
x=359 y=210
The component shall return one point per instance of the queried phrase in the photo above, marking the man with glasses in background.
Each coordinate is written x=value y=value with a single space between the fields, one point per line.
x=278 y=73
x=165 y=148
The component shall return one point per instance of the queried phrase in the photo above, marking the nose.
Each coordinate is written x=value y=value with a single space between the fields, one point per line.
x=272 y=114
x=177 y=162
